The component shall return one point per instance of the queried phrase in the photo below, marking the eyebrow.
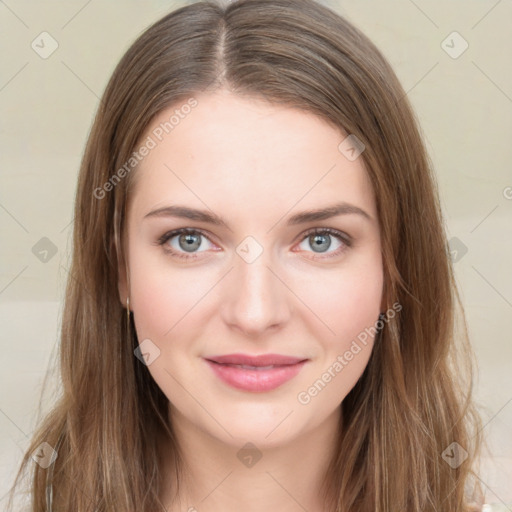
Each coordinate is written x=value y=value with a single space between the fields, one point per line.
x=184 y=212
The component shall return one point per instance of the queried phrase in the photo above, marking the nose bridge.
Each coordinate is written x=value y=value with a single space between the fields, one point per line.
x=256 y=298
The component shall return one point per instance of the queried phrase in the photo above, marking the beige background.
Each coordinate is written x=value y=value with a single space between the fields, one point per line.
x=464 y=106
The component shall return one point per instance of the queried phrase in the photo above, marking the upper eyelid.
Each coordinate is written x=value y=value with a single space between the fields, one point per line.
x=341 y=235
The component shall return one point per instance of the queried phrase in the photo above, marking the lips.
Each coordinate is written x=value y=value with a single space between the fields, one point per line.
x=256 y=361
x=255 y=373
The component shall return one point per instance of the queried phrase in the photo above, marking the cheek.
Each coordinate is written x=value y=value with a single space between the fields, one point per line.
x=349 y=304
x=345 y=301
x=357 y=303
x=162 y=297
x=166 y=303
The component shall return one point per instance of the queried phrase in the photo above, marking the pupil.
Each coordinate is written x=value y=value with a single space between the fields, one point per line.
x=320 y=238
x=190 y=243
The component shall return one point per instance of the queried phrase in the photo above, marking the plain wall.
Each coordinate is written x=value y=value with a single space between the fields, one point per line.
x=464 y=106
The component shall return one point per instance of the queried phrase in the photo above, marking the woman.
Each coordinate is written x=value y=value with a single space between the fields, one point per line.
x=212 y=357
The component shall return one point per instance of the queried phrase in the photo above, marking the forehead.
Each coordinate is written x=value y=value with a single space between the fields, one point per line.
x=249 y=154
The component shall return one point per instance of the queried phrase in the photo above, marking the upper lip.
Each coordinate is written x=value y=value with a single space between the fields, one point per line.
x=261 y=360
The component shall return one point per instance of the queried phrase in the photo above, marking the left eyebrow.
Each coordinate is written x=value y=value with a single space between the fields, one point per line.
x=327 y=213
x=185 y=212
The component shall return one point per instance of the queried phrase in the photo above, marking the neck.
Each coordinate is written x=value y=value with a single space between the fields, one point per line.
x=219 y=476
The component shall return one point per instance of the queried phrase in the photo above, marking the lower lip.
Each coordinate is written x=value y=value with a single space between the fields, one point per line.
x=255 y=380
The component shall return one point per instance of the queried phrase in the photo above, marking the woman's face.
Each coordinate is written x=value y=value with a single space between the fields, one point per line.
x=257 y=280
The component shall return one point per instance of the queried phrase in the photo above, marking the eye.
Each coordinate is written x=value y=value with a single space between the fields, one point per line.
x=320 y=238
x=188 y=241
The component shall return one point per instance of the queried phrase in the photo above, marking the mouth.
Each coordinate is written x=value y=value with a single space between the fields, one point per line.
x=247 y=367
x=256 y=361
x=255 y=373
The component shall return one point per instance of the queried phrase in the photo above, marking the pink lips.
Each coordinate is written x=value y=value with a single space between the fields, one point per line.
x=255 y=373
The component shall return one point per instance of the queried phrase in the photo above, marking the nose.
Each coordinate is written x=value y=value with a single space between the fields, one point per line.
x=255 y=298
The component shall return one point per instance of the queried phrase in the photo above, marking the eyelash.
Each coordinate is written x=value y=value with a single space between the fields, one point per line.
x=342 y=237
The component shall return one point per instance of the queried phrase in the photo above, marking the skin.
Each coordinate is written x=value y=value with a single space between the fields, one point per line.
x=254 y=164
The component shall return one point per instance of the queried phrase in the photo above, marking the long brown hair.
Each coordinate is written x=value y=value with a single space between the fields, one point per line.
x=414 y=399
